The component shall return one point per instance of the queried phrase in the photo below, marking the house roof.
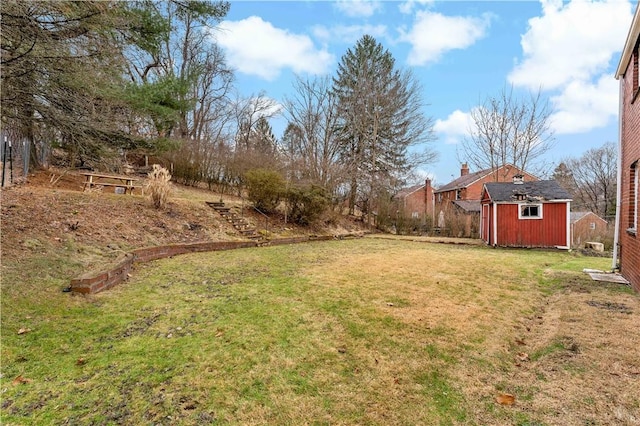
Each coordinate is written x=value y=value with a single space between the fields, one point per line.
x=632 y=37
x=466 y=180
x=541 y=190
x=468 y=206
x=408 y=191
x=576 y=216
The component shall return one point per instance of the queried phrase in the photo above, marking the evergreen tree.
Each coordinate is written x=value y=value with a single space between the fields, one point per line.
x=62 y=74
x=262 y=139
x=379 y=117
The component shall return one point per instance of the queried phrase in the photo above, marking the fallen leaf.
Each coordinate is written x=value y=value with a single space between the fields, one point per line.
x=520 y=342
x=24 y=330
x=523 y=356
x=21 y=380
x=505 y=399
x=81 y=361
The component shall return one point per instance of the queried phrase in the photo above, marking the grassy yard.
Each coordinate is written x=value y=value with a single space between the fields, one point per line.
x=365 y=331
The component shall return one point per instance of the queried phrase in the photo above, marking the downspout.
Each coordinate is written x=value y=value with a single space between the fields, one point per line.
x=616 y=232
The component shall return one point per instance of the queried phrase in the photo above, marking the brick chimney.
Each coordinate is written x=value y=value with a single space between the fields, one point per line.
x=428 y=197
x=464 y=170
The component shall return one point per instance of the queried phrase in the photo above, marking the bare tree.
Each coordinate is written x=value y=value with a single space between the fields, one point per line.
x=252 y=133
x=179 y=76
x=507 y=129
x=247 y=111
x=594 y=179
x=310 y=141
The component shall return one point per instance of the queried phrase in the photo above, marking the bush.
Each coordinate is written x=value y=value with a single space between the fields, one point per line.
x=306 y=204
x=265 y=188
x=159 y=185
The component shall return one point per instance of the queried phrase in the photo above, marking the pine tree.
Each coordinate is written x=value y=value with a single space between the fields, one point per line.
x=379 y=117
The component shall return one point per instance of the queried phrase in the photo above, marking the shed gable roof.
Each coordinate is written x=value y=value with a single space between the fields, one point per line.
x=534 y=191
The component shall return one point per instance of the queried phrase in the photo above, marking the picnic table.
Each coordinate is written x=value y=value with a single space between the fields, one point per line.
x=100 y=179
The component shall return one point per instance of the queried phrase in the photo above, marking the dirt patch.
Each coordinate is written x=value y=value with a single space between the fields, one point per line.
x=579 y=363
x=611 y=306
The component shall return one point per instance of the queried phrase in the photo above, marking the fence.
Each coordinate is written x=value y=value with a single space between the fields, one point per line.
x=14 y=156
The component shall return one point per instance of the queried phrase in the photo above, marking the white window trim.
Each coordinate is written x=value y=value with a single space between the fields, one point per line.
x=523 y=205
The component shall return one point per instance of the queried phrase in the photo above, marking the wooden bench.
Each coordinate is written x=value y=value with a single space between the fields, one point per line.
x=93 y=180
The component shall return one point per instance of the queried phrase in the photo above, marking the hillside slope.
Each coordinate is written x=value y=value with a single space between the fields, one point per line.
x=51 y=212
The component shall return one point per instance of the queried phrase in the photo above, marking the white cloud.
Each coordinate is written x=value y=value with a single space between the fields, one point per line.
x=434 y=34
x=571 y=41
x=348 y=33
x=256 y=47
x=407 y=7
x=582 y=106
x=358 y=8
x=455 y=127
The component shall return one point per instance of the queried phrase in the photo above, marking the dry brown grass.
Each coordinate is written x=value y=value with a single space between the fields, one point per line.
x=159 y=185
x=487 y=317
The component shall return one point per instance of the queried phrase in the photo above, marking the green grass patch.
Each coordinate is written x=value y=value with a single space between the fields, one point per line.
x=341 y=332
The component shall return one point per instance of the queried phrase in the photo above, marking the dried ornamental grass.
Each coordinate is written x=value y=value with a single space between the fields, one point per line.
x=159 y=185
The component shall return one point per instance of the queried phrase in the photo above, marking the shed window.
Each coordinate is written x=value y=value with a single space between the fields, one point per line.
x=530 y=211
x=592 y=225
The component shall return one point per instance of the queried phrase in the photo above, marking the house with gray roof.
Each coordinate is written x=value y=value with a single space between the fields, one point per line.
x=458 y=202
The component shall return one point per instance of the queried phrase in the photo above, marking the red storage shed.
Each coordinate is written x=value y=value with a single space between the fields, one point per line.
x=526 y=214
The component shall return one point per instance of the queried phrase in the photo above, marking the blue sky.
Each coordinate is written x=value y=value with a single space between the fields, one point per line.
x=460 y=51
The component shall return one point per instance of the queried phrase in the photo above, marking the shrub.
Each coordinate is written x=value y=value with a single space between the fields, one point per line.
x=306 y=204
x=265 y=188
x=159 y=185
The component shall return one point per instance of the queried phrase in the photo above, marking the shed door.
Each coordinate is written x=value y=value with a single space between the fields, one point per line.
x=486 y=224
